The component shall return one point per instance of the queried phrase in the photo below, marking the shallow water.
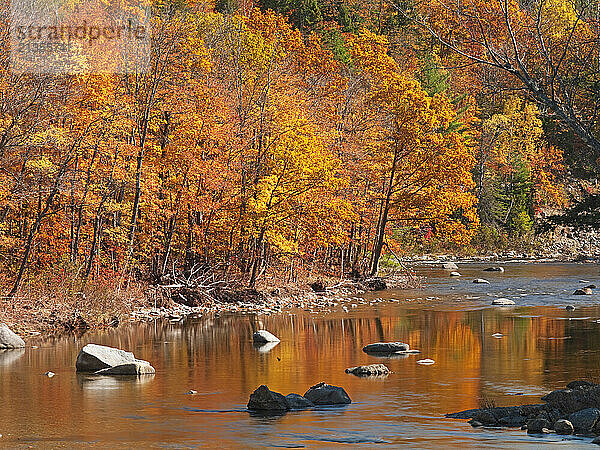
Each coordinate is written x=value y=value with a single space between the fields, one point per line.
x=450 y=320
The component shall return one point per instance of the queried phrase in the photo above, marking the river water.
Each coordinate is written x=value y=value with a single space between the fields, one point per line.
x=450 y=320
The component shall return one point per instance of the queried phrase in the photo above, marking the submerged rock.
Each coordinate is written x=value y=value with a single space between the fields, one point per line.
x=494 y=269
x=296 y=401
x=370 y=370
x=99 y=358
x=386 y=347
x=9 y=339
x=263 y=336
x=263 y=399
x=325 y=394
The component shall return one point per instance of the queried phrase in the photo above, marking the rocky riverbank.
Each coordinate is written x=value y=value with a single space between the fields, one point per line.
x=76 y=313
x=574 y=410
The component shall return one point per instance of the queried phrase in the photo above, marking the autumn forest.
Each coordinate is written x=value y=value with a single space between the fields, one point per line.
x=283 y=138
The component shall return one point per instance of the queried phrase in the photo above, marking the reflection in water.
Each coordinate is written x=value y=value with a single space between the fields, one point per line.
x=7 y=357
x=265 y=348
x=215 y=356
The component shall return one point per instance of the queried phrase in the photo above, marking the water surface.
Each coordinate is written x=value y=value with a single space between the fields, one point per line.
x=450 y=320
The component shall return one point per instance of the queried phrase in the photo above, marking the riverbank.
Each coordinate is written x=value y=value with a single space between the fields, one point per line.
x=80 y=312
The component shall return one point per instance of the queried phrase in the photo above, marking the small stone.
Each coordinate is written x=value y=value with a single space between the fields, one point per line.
x=426 y=362
x=584 y=291
x=503 y=302
x=191 y=392
x=455 y=274
x=263 y=336
x=498 y=335
x=570 y=308
x=49 y=374
x=563 y=426
x=480 y=281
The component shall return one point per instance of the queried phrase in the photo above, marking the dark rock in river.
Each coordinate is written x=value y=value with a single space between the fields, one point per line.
x=590 y=286
x=537 y=425
x=584 y=291
x=583 y=421
x=296 y=401
x=263 y=336
x=386 y=347
x=570 y=308
x=8 y=339
x=374 y=284
x=317 y=286
x=494 y=269
x=325 y=394
x=583 y=395
x=596 y=441
x=370 y=370
x=264 y=399
x=513 y=421
x=563 y=426
x=97 y=358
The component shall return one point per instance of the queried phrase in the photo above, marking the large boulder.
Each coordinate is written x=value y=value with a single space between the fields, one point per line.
x=263 y=399
x=8 y=339
x=325 y=394
x=386 y=347
x=263 y=336
x=97 y=358
x=583 y=421
x=134 y=368
x=296 y=401
x=370 y=370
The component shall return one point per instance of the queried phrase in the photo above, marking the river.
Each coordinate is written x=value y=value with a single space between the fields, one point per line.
x=450 y=320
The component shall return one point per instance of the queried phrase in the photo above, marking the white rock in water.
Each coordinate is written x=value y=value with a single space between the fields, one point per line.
x=263 y=336
x=8 y=339
x=503 y=302
x=110 y=361
x=450 y=266
x=498 y=335
x=49 y=374
x=426 y=362
x=455 y=274
x=480 y=281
